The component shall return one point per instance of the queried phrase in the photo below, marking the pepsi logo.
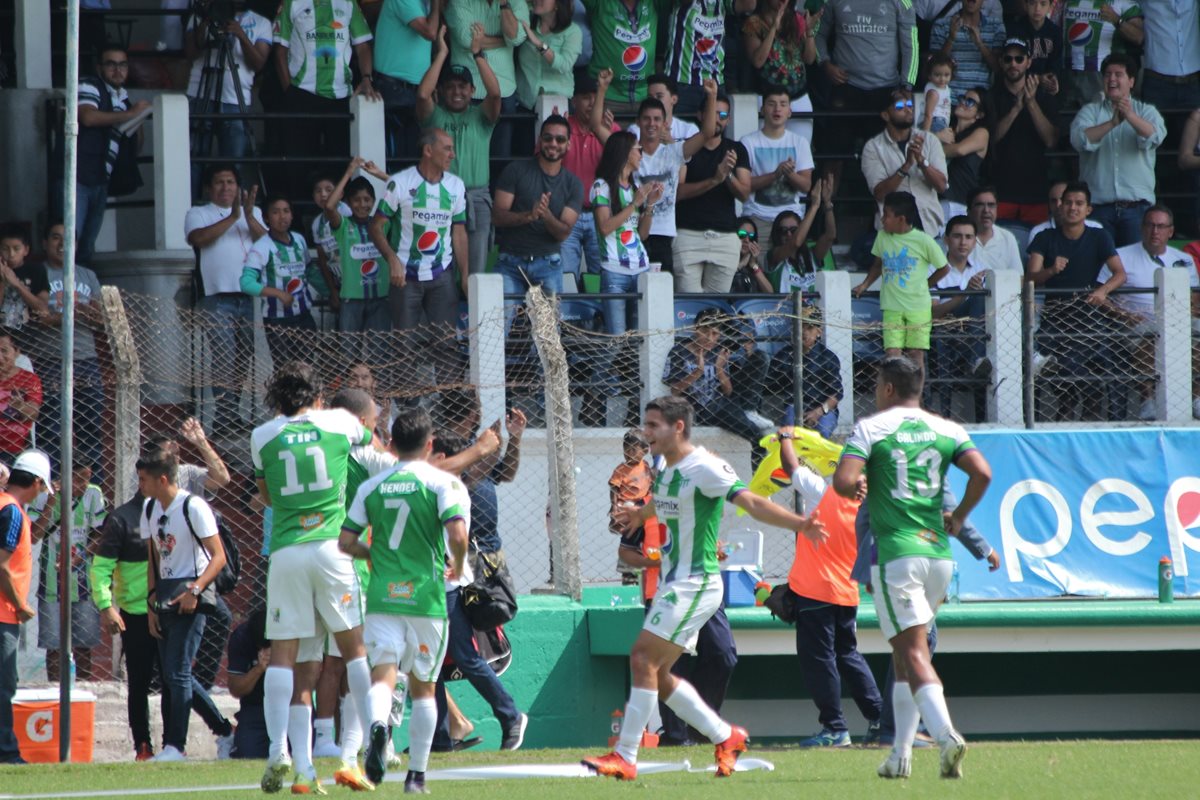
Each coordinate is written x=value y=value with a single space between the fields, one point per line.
x=1187 y=508
x=634 y=58
x=370 y=268
x=429 y=243
x=1079 y=34
x=294 y=287
x=707 y=48
x=628 y=239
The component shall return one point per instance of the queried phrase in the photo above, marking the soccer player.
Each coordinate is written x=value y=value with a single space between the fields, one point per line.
x=903 y=453
x=300 y=462
x=689 y=498
x=415 y=512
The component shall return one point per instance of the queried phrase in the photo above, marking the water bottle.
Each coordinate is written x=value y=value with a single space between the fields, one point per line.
x=71 y=674
x=953 y=593
x=1166 y=578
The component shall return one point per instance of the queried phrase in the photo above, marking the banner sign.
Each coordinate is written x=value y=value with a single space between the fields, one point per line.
x=1085 y=513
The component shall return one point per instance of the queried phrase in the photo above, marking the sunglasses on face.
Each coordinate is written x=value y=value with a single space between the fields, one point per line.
x=162 y=528
x=902 y=104
x=1014 y=59
x=552 y=137
x=722 y=115
x=750 y=236
x=968 y=102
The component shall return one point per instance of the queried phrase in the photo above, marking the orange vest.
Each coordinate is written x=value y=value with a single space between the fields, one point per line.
x=823 y=573
x=20 y=562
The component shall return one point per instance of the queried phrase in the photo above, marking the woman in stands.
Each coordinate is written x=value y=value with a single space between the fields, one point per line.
x=791 y=263
x=623 y=212
x=749 y=277
x=965 y=143
x=780 y=43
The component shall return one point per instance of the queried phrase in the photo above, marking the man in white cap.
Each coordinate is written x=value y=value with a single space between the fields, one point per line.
x=30 y=477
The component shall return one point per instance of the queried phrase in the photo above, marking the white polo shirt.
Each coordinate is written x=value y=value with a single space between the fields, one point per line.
x=1000 y=253
x=1140 y=267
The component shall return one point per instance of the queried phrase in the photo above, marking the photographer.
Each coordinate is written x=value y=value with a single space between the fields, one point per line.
x=185 y=555
x=217 y=27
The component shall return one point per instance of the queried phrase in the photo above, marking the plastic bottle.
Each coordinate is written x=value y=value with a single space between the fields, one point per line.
x=618 y=717
x=71 y=679
x=1166 y=579
x=953 y=592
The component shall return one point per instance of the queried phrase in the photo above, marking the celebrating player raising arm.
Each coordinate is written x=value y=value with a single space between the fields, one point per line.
x=689 y=499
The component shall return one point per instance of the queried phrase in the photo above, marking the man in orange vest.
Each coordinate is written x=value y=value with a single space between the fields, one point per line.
x=30 y=477
x=826 y=602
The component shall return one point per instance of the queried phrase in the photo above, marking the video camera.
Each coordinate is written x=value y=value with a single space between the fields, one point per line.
x=218 y=13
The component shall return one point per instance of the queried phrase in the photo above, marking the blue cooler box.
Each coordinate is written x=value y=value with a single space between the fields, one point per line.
x=739 y=586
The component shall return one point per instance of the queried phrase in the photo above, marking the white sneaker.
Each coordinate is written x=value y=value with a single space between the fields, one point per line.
x=225 y=746
x=896 y=766
x=954 y=750
x=759 y=421
x=327 y=748
x=1149 y=410
x=1047 y=364
x=169 y=753
x=273 y=776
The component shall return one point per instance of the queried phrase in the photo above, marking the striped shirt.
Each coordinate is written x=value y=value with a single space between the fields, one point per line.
x=319 y=36
x=89 y=95
x=697 y=47
x=622 y=250
x=422 y=214
x=281 y=265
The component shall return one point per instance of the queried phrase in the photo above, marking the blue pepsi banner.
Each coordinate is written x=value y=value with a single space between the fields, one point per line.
x=1085 y=513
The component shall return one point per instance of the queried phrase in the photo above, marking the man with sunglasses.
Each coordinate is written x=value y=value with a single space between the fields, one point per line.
x=1025 y=114
x=537 y=204
x=707 y=245
x=103 y=106
x=900 y=159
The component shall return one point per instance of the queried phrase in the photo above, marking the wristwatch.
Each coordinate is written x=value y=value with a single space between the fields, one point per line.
x=195 y=590
x=786 y=436
x=477 y=54
x=544 y=47
x=903 y=173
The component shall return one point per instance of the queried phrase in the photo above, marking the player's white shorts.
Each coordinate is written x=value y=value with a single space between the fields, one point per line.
x=680 y=609
x=416 y=644
x=312 y=589
x=908 y=592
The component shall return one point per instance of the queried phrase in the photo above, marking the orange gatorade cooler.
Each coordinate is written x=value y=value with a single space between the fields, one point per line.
x=36 y=721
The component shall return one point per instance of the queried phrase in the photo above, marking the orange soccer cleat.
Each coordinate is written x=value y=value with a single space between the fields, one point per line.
x=727 y=752
x=612 y=766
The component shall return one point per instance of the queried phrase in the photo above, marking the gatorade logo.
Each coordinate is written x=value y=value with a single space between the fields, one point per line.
x=707 y=49
x=429 y=243
x=40 y=726
x=634 y=58
x=1079 y=34
x=628 y=239
x=370 y=268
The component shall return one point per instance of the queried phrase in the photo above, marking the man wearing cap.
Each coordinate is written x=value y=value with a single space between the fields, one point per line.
x=30 y=477
x=1024 y=130
x=471 y=128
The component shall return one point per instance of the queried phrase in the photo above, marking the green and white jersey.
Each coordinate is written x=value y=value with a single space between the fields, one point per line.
x=421 y=215
x=365 y=462
x=282 y=265
x=364 y=272
x=908 y=451
x=408 y=508
x=1089 y=39
x=303 y=461
x=689 y=498
x=320 y=36
x=322 y=237
x=622 y=250
x=697 y=46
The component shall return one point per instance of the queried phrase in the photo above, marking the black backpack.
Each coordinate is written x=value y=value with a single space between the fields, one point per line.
x=491 y=600
x=227 y=578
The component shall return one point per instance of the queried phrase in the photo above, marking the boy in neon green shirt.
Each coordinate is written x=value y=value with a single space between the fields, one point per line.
x=909 y=261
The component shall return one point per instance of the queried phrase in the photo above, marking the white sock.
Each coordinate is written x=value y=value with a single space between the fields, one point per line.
x=932 y=702
x=420 y=733
x=352 y=731
x=379 y=703
x=277 y=698
x=686 y=703
x=637 y=713
x=358 y=679
x=300 y=732
x=322 y=730
x=907 y=718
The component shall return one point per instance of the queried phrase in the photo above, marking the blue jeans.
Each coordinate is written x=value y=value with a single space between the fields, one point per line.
x=365 y=317
x=231 y=340
x=10 y=632
x=90 y=202
x=461 y=648
x=1125 y=223
x=89 y=413
x=580 y=245
x=617 y=312
x=521 y=273
x=827 y=646
x=181 y=634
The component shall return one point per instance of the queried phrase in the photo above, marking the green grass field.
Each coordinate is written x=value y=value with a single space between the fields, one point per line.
x=1075 y=770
